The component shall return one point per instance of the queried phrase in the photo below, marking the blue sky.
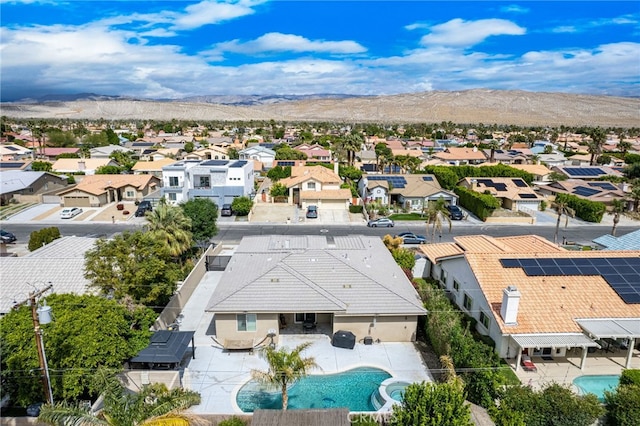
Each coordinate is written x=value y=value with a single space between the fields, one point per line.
x=174 y=49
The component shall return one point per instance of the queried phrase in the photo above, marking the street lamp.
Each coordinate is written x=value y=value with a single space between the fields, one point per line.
x=41 y=315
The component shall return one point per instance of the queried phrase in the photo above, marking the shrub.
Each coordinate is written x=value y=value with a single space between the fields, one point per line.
x=355 y=209
x=232 y=421
x=623 y=405
x=242 y=206
x=278 y=190
x=43 y=237
x=482 y=205
x=590 y=211
x=630 y=377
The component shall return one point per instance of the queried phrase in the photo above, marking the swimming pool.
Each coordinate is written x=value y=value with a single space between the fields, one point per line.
x=596 y=384
x=351 y=388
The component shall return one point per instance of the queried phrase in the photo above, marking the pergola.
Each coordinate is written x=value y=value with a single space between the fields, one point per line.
x=166 y=350
x=554 y=340
x=613 y=328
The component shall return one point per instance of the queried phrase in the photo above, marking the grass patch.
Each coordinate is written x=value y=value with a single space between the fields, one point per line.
x=11 y=209
x=508 y=373
x=407 y=216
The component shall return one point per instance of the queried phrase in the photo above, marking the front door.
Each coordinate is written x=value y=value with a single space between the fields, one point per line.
x=306 y=317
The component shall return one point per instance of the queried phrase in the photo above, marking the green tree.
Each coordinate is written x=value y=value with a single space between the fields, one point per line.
x=242 y=205
x=352 y=144
x=623 y=403
x=562 y=208
x=203 y=214
x=598 y=138
x=134 y=264
x=278 y=190
x=285 y=367
x=42 y=237
x=233 y=154
x=59 y=138
x=432 y=404
x=278 y=172
x=41 y=166
x=404 y=258
x=284 y=152
x=436 y=213
x=108 y=170
x=154 y=404
x=87 y=332
x=124 y=158
x=170 y=225
x=189 y=147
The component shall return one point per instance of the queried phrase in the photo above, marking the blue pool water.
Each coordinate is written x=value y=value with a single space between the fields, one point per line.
x=351 y=389
x=596 y=384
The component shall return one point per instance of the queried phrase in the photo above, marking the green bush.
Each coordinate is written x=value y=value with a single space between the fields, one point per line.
x=355 y=209
x=232 y=421
x=431 y=404
x=242 y=206
x=623 y=405
x=590 y=211
x=482 y=205
x=43 y=237
x=278 y=190
x=630 y=377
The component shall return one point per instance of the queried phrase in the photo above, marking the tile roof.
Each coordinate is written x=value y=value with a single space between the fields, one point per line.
x=156 y=165
x=460 y=154
x=349 y=275
x=630 y=241
x=511 y=190
x=98 y=184
x=301 y=174
x=74 y=163
x=535 y=169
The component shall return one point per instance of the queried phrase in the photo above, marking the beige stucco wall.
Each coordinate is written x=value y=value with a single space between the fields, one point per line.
x=226 y=327
x=387 y=329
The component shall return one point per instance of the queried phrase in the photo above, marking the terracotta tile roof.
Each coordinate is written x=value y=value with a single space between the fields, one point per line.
x=156 y=165
x=300 y=174
x=536 y=169
x=460 y=154
x=438 y=251
x=74 y=163
x=98 y=184
x=549 y=304
x=517 y=244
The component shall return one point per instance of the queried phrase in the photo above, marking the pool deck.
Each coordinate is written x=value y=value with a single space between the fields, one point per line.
x=564 y=370
x=217 y=375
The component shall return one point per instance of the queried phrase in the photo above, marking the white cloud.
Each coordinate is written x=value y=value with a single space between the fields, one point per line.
x=458 y=32
x=213 y=12
x=278 y=42
x=514 y=8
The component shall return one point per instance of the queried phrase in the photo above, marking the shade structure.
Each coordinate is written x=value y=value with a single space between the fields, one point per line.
x=166 y=349
x=343 y=339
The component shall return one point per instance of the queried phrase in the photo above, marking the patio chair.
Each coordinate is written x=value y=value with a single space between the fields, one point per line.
x=527 y=364
x=308 y=326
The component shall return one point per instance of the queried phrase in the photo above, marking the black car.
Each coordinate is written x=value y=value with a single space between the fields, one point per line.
x=226 y=210
x=7 y=237
x=455 y=213
x=312 y=212
x=143 y=208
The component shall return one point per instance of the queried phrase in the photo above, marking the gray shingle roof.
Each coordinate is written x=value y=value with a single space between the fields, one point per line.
x=350 y=275
x=630 y=241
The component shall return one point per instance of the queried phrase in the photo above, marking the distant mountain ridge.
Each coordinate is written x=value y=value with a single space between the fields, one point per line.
x=470 y=106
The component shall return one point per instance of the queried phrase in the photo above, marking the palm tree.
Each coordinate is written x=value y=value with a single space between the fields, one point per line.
x=598 y=138
x=169 y=224
x=493 y=145
x=617 y=208
x=562 y=208
x=153 y=405
x=284 y=368
x=352 y=143
x=437 y=213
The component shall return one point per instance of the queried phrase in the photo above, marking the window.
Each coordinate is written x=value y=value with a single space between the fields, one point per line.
x=456 y=285
x=130 y=194
x=203 y=182
x=172 y=196
x=468 y=302
x=173 y=181
x=484 y=320
x=311 y=185
x=246 y=322
x=443 y=275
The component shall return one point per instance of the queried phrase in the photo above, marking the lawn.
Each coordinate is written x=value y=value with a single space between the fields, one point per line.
x=407 y=216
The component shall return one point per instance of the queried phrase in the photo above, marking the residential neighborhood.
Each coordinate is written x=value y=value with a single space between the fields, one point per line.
x=152 y=208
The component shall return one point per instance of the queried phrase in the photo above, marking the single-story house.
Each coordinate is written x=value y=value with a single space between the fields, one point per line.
x=27 y=186
x=536 y=298
x=98 y=190
x=630 y=241
x=412 y=191
x=587 y=172
x=458 y=156
x=106 y=151
x=88 y=166
x=540 y=172
x=599 y=191
x=514 y=193
x=50 y=153
x=15 y=152
x=258 y=153
x=349 y=283
x=317 y=185
x=151 y=167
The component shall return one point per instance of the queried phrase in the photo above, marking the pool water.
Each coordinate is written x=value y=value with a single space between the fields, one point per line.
x=351 y=389
x=596 y=384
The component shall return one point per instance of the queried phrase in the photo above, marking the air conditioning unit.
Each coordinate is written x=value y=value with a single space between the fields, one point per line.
x=368 y=340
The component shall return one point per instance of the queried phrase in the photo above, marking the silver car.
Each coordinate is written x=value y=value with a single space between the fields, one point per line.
x=383 y=222
x=69 y=212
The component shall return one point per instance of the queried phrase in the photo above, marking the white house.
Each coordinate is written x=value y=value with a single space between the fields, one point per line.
x=259 y=153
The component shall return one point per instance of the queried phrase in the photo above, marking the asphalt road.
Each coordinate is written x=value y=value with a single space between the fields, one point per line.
x=233 y=233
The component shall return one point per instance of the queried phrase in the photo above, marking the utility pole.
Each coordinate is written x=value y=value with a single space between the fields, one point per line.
x=44 y=368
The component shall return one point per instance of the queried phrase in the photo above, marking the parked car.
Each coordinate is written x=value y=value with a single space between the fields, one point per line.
x=70 y=212
x=33 y=410
x=226 y=210
x=7 y=237
x=455 y=213
x=312 y=212
x=143 y=208
x=411 y=238
x=381 y=222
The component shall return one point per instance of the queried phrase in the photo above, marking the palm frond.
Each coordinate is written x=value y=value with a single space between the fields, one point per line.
x=63 y=414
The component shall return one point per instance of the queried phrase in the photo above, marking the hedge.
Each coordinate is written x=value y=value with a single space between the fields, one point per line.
x=43 y=237
x=449 y=176
x=355 y=209
x=482 y=205
x=590 y=211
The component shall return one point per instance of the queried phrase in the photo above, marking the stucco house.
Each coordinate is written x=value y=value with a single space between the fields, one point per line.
x=461 y=156
x=315 y=152
x=99 y=190
x=258 y=153
x=336 y=283
x=514 y=193
x=599 y=191
x=536 y=298
x=88 y=166
x=29 y=186
x=317 y=185
x=151 y=167
x=412 y=192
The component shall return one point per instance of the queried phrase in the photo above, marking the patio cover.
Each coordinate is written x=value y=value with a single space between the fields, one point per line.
x=555 y=340
x=166 y=347
x=614 y=328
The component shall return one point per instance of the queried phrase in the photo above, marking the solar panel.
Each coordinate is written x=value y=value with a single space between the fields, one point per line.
x=603 y=185
x=427 y=178
x=520 y=183
x=528 y=195
x=365 y=167
x=621 y=273
x=584 y=171
x=214 y=163
x=376 y=178
x=240 y=163
x=7 y=165
x=585 y=192
x=286 y=163
x=11 y=148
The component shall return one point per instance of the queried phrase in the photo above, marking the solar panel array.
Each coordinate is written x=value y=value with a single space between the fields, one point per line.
x=585 y=191
x=392 y=169
x=240 y=163
x=7 y=165
x=621 y=273
x=11 y=148
x=499 y=186
x=427 y=178
x=368 y=167
x=603 y=185
x=286 y=163
x=527 y=196
x=214 y=163
x=520 y=183
x=395 y=181
x=584 y=171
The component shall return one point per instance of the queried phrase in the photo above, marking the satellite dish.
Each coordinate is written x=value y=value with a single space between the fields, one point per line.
x=272 y=332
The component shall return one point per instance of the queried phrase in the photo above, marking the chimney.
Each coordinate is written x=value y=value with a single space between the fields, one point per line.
x=474 y=184
x=510 y=302
x=335 y=168
x=475 y=148
x=82 y=165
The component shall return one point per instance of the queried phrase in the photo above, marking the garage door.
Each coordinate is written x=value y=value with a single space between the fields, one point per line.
x=333 y=205
x=77 y=202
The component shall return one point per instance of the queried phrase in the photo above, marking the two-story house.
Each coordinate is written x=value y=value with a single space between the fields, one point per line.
x=317 y=185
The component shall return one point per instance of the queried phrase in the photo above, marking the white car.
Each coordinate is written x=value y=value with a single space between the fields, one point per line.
x=70 y=212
